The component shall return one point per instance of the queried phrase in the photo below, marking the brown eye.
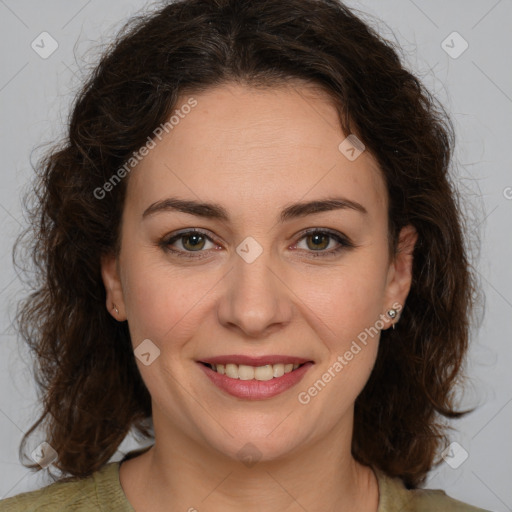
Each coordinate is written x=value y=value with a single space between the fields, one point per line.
x=193 y=242
x=318 y=241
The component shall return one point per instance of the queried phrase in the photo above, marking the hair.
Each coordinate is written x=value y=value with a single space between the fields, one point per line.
x=89 y=385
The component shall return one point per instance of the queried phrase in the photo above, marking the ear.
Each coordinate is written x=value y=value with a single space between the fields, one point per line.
x=113 y=288
x=400 y=271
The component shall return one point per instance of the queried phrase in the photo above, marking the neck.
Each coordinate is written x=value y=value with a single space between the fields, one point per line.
x=181 y=472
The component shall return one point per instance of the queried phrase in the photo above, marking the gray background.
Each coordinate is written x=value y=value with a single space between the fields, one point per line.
x=476 y=88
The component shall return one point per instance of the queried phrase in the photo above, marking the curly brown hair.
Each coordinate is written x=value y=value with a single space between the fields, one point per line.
x=91 y=390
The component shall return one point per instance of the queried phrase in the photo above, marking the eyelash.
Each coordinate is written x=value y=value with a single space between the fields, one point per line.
x=344 y=243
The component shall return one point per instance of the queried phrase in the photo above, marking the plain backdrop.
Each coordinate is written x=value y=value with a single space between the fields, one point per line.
x=461 y=51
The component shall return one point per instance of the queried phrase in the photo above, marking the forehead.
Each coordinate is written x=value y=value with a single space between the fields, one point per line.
x=255 y=148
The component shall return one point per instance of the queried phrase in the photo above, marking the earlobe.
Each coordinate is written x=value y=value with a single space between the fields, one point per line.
x=113 y=288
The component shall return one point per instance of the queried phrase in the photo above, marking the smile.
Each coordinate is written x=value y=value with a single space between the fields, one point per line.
x=245 y=372
x=258 y=382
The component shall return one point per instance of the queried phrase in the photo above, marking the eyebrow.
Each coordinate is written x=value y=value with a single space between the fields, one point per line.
x=218 y=212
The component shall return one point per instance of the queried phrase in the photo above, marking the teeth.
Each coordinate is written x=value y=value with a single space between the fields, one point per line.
x=264 y=372
x=232 y=371
x=245 y=372
x=278 y=370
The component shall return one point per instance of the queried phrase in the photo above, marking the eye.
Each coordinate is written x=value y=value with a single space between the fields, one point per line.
x=188 y=242
x=191 y=241
x=317 y=240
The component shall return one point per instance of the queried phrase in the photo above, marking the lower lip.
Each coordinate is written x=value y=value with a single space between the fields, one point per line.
x=256 y=389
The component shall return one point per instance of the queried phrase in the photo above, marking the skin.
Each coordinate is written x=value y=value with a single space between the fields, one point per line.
x=254 y=151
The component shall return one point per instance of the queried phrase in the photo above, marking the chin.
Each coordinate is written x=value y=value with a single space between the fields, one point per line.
x=262 y=445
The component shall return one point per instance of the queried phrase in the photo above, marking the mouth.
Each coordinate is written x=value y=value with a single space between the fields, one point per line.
x=247 y=372
x=255 y=378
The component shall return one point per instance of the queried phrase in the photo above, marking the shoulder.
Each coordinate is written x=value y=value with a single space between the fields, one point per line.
x=99 y=492
x=395 y=496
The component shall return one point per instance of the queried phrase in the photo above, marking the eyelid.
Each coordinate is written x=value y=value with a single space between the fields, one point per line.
x=187 y=231
x=327 y=231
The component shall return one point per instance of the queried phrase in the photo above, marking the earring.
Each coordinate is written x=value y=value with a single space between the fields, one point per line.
x=392 y=313
x=115 y=308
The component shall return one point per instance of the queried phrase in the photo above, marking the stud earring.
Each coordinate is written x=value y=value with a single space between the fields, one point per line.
x=115 y=308
x=392 y=313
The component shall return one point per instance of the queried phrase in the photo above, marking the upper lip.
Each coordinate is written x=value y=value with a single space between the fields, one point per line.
x=254 y=361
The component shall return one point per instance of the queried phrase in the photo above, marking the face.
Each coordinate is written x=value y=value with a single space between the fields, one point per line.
x=225 y=259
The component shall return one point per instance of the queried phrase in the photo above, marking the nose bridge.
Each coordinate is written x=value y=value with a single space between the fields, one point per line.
x=255 y=299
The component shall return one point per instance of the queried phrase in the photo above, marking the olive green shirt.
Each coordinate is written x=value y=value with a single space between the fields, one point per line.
x=102 y=491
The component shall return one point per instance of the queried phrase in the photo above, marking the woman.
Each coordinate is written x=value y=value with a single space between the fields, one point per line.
x=249 y=239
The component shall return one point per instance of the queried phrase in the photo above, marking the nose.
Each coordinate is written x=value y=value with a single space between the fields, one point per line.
x=255 y=299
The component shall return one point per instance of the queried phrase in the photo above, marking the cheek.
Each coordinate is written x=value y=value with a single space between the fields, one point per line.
x=347 y=299
x=158 y=305
x=165 y=301
x=344 y=314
